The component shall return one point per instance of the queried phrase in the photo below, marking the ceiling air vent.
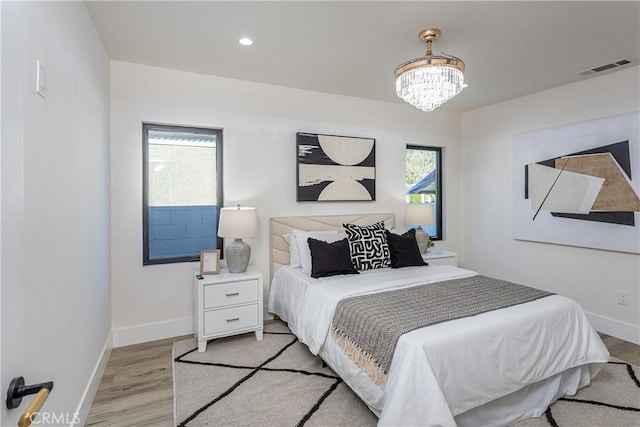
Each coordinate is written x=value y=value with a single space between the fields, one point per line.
x=616 y=65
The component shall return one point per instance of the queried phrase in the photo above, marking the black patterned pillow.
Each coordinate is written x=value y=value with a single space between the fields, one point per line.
x=368 y=246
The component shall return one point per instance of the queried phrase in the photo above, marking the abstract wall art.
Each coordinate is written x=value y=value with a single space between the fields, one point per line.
x=579 y=184
x=335 y=168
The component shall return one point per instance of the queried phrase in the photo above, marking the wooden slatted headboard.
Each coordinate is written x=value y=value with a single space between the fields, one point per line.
x=279 y=226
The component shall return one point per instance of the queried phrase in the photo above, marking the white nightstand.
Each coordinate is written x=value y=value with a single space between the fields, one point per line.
x=227 y=304
x=441 y=257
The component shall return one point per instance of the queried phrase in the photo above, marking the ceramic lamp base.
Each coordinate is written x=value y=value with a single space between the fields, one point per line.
x=422 y=237
x=237 y=254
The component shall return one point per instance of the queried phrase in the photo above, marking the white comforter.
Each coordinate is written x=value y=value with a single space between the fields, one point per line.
x=443 y=370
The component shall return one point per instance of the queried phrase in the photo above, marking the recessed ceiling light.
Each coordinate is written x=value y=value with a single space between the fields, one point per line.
x=245 y=41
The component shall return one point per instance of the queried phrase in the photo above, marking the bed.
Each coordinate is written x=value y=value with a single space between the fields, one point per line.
x=493 y=368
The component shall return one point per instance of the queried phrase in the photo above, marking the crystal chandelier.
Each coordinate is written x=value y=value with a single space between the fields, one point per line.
x=430 y=81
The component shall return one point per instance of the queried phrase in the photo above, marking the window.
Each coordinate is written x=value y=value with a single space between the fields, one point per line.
x=424 y=183
x=182 y=192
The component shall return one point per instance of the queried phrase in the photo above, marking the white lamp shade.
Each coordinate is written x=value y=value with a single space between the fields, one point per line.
x=419 y=214
x=238 y=222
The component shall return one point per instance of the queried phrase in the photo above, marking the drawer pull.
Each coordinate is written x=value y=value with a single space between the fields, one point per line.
x=235 y=294
x=235 y=319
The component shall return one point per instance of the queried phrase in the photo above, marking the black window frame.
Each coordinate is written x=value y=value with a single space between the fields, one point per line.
x=439 y=198
x=146 y=126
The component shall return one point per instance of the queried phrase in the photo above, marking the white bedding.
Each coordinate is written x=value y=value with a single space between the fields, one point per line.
x=446 y=370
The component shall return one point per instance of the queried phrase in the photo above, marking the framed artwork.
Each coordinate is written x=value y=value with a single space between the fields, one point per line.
x=210 y=261
x=578 y=184
x=335 y=168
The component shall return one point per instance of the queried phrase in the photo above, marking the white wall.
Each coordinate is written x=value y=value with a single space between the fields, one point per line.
x=592 y=277
x=55 y=194
x=260 y=123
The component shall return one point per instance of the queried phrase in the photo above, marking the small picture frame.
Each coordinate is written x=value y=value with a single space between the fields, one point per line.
x=210 y=261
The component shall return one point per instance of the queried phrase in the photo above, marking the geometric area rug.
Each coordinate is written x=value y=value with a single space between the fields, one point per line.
x=239 y=381
x=611 y=400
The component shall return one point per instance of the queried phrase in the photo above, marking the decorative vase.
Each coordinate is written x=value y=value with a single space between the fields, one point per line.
x=237 y=254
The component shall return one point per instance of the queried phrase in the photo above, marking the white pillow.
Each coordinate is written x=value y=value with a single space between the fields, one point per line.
x=295 y=237
x=294 y=255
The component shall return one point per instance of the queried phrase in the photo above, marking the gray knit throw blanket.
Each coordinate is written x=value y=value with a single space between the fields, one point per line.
x=367 y=327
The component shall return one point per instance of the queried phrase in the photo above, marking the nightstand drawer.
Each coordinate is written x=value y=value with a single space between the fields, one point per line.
x=442 y=261
x=233 y=293
x=229 y=319
x=441 y=257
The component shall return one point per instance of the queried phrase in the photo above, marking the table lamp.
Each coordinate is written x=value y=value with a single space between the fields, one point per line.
x=418 y=214
x=236 y=223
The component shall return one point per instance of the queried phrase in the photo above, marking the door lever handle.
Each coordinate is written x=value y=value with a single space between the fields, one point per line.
x=17 y=390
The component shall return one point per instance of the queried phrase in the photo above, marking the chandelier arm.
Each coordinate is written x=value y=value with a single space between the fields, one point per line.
x=451 y=56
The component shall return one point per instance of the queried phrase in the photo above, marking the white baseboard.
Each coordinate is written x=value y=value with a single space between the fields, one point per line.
x=615 y=328
x=152 y=331
x=94 y=382
x=159 y=330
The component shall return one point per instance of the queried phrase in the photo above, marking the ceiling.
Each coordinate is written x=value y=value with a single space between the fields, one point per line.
x=510 y=49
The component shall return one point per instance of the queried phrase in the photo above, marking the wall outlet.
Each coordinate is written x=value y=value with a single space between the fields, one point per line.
x=623 y=298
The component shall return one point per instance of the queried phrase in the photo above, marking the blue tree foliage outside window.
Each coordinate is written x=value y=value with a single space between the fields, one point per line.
x=423 y=182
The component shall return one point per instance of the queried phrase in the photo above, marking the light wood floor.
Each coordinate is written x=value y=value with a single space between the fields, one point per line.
x=137 y=386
